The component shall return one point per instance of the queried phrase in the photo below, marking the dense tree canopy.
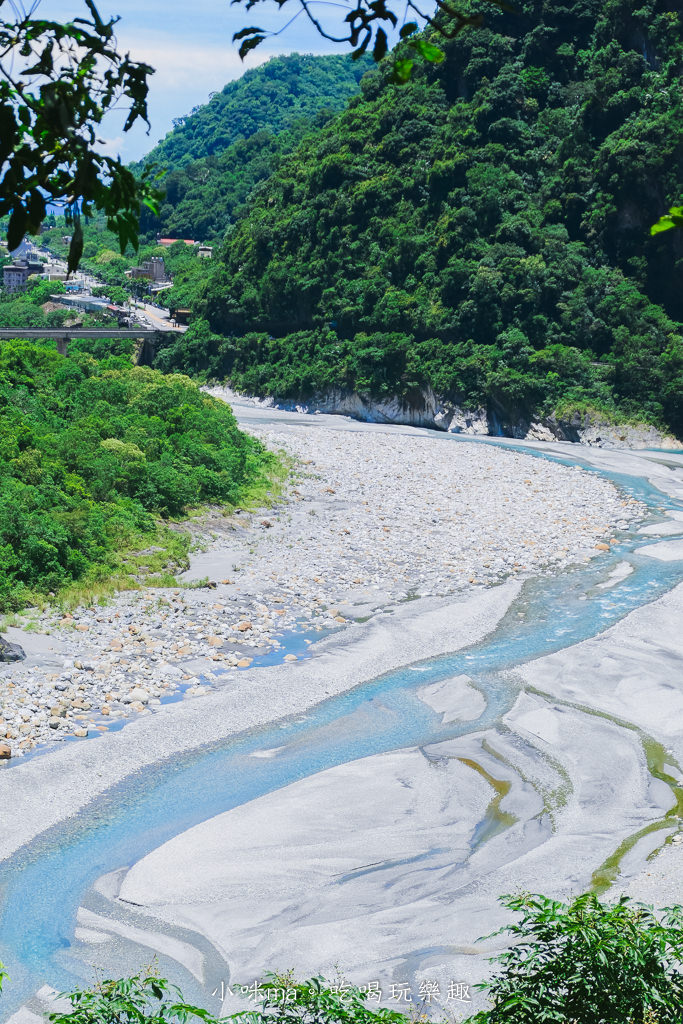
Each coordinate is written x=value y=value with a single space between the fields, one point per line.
x=482 y=229
x=221 y=150
x=92 y=452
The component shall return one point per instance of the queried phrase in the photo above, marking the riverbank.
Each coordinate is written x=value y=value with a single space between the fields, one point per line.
x=427 y=409
x=575 y=786
x=407 y=893
x=447 y=818
x=368 y=520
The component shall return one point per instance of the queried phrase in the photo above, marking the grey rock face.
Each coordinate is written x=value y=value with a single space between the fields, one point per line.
x=424 y=408
x=10 y=652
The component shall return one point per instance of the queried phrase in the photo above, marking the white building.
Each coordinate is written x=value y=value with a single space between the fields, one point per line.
x=14 y=277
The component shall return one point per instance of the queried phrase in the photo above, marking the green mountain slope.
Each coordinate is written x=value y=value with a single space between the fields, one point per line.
x=219 y=152
x=483 y=230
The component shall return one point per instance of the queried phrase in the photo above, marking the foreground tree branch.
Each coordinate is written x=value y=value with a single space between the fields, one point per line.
x=57 y=82
x=366 y=22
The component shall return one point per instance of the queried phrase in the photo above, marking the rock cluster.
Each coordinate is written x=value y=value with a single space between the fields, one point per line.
x=368 y=519
x=412 y=514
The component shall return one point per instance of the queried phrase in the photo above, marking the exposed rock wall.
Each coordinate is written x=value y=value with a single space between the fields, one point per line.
x=429 y=410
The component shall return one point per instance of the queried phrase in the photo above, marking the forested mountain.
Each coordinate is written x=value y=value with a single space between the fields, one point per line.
x=483 y=229
x=216 y=154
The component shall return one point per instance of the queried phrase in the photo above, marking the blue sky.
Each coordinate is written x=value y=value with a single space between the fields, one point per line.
x=189 y=42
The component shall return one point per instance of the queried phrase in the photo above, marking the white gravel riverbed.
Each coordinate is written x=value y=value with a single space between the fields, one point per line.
x=368 y=519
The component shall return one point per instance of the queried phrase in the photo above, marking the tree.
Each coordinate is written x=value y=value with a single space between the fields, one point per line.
x=362 y=28
x=69 y=76
x=588 y=963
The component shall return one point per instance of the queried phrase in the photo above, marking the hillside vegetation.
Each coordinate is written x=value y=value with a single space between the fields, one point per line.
x=94 y=455
x=216 y=154
x=483 y=230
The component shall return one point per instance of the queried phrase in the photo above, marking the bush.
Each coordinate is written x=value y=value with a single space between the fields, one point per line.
x=588 y=963
x=92 y=452
x=144 y=998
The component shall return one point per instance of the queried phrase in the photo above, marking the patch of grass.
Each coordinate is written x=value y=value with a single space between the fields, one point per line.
x=164 y=579
x=599 y=414
x=122 y=571
x=195 y=584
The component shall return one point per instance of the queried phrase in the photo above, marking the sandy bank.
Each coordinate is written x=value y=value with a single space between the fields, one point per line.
x=56 y=786
x=368 y=518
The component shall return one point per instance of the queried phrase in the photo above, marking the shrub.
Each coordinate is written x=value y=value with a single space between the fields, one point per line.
x=588 y=963
x=92 y=452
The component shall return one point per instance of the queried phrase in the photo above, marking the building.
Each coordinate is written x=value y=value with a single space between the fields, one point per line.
x=15 y=276
x=52 y=273
x=153 y=269
x=205 y=252
x=86 y=303
x=121 y=313
x=182 y=316
x=170 y=241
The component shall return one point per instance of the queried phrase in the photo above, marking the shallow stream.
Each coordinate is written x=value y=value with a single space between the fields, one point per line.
x=43 y=885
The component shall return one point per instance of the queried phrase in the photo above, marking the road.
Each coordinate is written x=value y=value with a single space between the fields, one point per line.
x=153 y=317
x=158 y=319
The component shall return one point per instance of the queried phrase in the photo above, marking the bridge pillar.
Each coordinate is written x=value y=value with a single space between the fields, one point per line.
x=146 y=349
x=62 y=345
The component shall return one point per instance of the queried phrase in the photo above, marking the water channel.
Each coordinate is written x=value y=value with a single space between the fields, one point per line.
x=44 y=883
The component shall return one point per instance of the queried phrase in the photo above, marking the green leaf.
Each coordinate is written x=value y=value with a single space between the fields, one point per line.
x=246 y=32
x=36 y=212
x=250 y=44
x=380 y=48
x=672 y=219
x=408 y=29
x=76 y=246
x=402 y=69
x=17 y=226
x=431 y=53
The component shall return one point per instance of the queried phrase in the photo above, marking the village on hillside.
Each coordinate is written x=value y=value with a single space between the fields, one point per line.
x=84 y=292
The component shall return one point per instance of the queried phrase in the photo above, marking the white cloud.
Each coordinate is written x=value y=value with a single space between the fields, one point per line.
x=198 y=68
x=110 y=147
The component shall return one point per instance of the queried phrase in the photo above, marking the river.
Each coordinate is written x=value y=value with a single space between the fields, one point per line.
x=45 y=881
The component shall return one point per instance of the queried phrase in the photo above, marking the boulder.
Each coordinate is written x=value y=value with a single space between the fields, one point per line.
x=137 y=695
x=10 y=652
x=5 y=751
